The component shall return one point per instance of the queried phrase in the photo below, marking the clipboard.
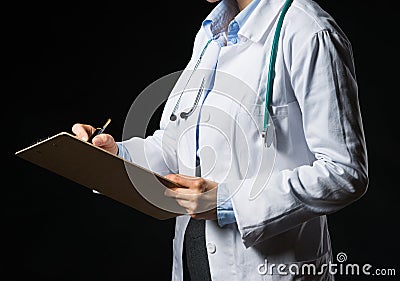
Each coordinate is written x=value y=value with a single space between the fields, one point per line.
x=103 y=172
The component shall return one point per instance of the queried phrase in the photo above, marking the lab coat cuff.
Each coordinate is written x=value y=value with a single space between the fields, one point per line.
x=225 y=213
x=123 y=152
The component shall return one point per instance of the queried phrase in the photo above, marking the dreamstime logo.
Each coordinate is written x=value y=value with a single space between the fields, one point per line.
x=325 y=268
x=230 y=122
x=341 y=257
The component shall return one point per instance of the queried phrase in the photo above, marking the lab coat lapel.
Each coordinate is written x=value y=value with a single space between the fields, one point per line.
x=264 y=16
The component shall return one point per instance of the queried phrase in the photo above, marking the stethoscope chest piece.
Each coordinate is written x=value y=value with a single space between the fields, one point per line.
x=268 y=135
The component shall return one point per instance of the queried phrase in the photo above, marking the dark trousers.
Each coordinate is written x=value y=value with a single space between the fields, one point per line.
x=194 y=256
x=195 y=259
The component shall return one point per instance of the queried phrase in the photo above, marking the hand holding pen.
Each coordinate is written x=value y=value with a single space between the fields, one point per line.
x=96 y=136
x=99 y=131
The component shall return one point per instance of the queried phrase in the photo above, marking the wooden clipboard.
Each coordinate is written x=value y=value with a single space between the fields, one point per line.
x=101 y=171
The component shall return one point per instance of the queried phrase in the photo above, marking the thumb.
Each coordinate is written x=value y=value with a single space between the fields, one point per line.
x=106 y=142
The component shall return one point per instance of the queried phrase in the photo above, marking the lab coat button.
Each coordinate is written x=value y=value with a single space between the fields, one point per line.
x=205 y=116
x=211 y=248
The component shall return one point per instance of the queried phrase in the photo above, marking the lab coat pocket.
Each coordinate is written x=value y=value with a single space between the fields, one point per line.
x=256 y=152
x=278 y=127
x=279 y=111
x=252 y=119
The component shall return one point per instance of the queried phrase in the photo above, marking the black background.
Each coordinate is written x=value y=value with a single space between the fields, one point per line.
x=64 y=63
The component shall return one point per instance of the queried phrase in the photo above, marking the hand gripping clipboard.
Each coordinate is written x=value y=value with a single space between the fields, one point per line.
x=101 y=171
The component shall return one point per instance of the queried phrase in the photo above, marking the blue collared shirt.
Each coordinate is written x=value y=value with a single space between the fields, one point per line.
x=123 y=152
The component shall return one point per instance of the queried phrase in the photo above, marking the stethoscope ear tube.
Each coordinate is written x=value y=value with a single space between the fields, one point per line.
x=172 y=117
x=185 y=115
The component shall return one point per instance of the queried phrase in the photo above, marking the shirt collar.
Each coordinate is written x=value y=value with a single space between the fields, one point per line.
x=259 y=13
x=246 y=12
x=219 y=18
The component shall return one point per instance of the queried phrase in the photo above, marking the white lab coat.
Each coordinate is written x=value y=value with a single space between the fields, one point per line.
x=320 y=154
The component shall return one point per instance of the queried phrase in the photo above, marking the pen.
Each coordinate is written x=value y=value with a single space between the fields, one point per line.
x=99 y=130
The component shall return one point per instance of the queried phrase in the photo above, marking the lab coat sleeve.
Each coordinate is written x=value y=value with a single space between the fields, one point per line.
x=323 y=79
x=156 y=152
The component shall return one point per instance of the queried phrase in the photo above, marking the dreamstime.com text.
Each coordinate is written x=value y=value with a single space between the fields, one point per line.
x=339 y=268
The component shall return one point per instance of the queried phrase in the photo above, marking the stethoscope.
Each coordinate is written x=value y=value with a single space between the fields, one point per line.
x=270 y=78
x=183 y=114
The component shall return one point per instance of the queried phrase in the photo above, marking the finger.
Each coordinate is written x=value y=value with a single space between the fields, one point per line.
x=105 y=141
x=188 y=206
x=187 y=181
x=193 y=210
x=83 y=131
x=181 y=193
x=179 y=177
x=172 y=177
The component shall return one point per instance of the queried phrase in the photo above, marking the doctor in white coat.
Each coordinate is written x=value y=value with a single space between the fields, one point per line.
x=263 y=202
